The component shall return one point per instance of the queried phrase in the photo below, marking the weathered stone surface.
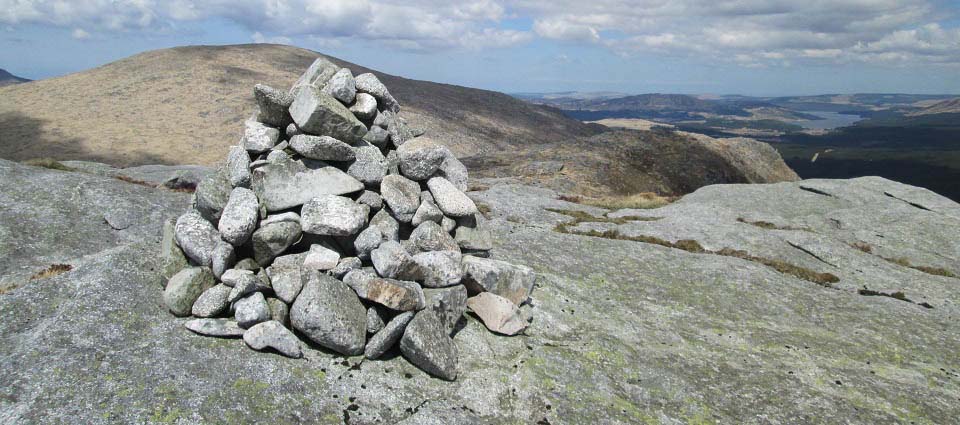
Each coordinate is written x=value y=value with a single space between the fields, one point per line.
x=247 y=264
x=429 y=236
x=316 y=75
x=224 y=328
x=400 y=133
x=276 y=157
x=428 y=210
x=377 y=136
x=244 y=284
x=427 y=345
x=421 y=157
x=259 y=138
x=323 y=148
x=212 y=302
x=197 y=237
x=364 y=107
x=498 y=314
x=332 y=216
x=440 y=268
x=371 y=199
x=223 y=258
x=393 y=163
x=394 y=294
x=448 y=303
x=453 y=170
x=273 y=239
x=474 y=238
x=239 y=218
x=369 y=83
x=212 y=194
x=289 y=184
x=375 y=321
x=346 y=265
x=367 y=241
x=272 y=334
x=449 y=225
x=330 y=314
x=451 y=200
x=402 y=195
x=251 y=310
x=511 y=281
x=273 y=105
x=232 y=276
x=389 y=227
x=291 y=217
x=286 y=276
x=370 y=166
x=342 y=86
x=238 y=167
x=359 y=279
x=392 y=261
x=279 y=311
x=321 y=258
x=173 y=258
x=320 y=114
x=387 y=337
x=185 y=287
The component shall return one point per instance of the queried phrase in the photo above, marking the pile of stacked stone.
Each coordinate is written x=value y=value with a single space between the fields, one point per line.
x=334 y=222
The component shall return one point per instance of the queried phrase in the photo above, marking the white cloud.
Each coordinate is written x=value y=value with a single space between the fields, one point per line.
x=562 y=29
x=80 y=34
x=259 y=38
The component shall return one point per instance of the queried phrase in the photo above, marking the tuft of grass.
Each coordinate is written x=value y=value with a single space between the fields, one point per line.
x=863 y=246
x=899 y=295
x=53 y=270
x=477 y=187
x=48 y=163
x=769 y=226
x=584 y=217
x=484 y=209
x=936 y=271
x=643 y=201
x=134 y=181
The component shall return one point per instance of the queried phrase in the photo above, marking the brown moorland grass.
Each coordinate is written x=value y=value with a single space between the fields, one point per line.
x=642 y=201
x=905 y=262
x=48 y=163
x=53 y=270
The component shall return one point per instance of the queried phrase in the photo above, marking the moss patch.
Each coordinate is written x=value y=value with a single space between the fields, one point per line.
x=48 y=163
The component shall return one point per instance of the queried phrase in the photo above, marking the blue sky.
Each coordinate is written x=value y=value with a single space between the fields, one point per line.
x=754 y=47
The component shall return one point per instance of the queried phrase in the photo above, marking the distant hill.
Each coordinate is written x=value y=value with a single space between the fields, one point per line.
x=186 y=105
x=7 y=78
x=667 y=107
x=949 y=106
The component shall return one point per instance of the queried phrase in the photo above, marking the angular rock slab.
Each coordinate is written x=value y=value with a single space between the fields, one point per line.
x=498 y=314
x=346 y=265
x=440 y=268
x=427 y=345
x=375 y=321
x=317 y=75
x=273 y=239
x=448 y=303
x=370 y=166
x=421 y=157
x=398 y=295
x=333 y=215
x=212 y=194
x=259 y=138
x=197 y=237
x=321 y=258
x=224 y=255
x=364 y=107
x=239 y=217
x=429 y=236
x=288 y=184
x=451 y=200
x=387 y=337
x=342 y=86
x=173 y=258
x=184 y=289
x=252 y=310
x=318 y=113
x=273 y=105
x=212 y=302
x=369 y=83
x=286 y=276
x=511 y=281
x=238 y=167
x=393 y=262
x=329 y=313
x=272 y=334
x=223 y=328
x=402 y=195
x=324 y=148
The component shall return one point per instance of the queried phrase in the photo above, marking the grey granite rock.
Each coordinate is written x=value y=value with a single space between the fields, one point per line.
x=247 y=264
x=427 y=345
x=323 y=148
x=453 y=170
x=375 y=320
x=389 y=227
x=279 y=311
x=448 y=303
x=400 y=133
x=286 y=276
x=329 y=313
x=421 y=157
x=238 y=167
x=451 y=200
x=290 y=216
x=212 y=194
x=371 y=199
x=342 y=86
x=245 y=284
x=392 y=261
x=289 y=184
x=185 y=287
x=316 y=75
x=367 y=241
x=387 y=337
x=273 y=239
x=377 y=136
x=440 y=268
x=359 y=279
x=320 y=114
x=321 y=258
x=277 y=157
x=234 y=275
x=272 y=334
x=369 y=167
x=239 y=218
x=212 y=302
x=223 y=258
x=449 y=225
x=474 y=238
x=346 y=265
x=393 y=163
x=370 y=84
x=429 y=236
x=224 y=328
x=428 y=210
x=498 y=314
x=197 y=237
x=402 y=195
x=273 y=105
x=251 y=310
x=397 y=295
x=364 y=107
x=333 y=215
x=511 y=281
x=292 y=130
x=173 y=258
x=258 y=137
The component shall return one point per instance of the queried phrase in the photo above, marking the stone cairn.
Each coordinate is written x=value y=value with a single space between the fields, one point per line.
x=333 y=221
